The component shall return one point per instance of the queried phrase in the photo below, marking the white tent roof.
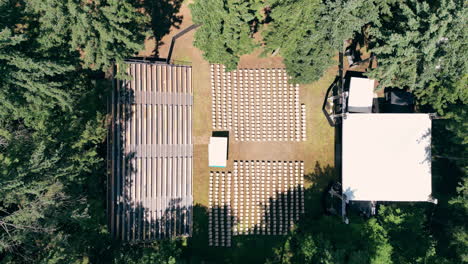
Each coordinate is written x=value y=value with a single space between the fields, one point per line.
x=217 y=151
x=361 y=95
x=387 y=157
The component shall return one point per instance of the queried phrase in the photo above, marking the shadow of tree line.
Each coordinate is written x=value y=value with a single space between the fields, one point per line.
x=255 y=247
x=164 y=15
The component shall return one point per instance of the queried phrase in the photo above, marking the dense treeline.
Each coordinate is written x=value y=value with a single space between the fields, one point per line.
x=53 y=57
x=419 y=45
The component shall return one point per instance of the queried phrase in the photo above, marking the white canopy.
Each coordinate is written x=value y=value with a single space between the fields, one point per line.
x=387 y=157
x=217 y=151
x=361 y=95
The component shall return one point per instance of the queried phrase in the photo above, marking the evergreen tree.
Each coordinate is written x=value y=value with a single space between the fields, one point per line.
x=416 y=45
x=309 y=41
x=166 y=251
x=331 y=241
x=297 y=39
x=458 y=228
x=47 y=172
x=408 y=235
x=30 y=84
x=50 y=129
x=226 y=29
x=104 y=31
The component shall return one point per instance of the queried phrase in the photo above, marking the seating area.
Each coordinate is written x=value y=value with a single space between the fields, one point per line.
x=219 y=210
x=150 y=188
x=257 y=104
x=257 y=198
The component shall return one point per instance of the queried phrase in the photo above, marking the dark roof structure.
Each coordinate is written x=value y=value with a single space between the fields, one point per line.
x=151 y=153
x=399 y=101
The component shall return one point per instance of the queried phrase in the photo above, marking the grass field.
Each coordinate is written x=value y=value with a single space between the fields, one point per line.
x=317 y=152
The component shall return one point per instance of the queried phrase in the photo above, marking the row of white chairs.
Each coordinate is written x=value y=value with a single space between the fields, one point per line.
x=219 y=69
x=266 y=217
x=225 y=105
x=236 y=106
x=219 y=210
x=262 y=186
x=264 y=100
x=267 y=127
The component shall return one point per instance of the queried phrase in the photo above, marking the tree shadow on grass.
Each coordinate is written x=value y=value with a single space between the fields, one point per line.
x=164 y=15
x=314 y=200
x=314 y=203
x=244 y=249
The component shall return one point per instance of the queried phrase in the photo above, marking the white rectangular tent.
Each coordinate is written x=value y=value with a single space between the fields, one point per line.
x=217 y=151
x=361 y=95
x=386 y=157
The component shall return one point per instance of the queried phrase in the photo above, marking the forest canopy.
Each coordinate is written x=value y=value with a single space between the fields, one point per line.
x=53 y=57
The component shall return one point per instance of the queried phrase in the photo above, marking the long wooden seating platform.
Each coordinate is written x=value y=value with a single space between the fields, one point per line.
x=150 y=184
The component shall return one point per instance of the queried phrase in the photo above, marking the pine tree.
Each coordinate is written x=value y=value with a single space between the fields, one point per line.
x=104 y=32
x=457 y=229
x=419 y=47
x=309 y=41
x=406 y=227
x=226 y=29
x=30 y=84
x=49 y=136
x=305 y=54
x=331 y=241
